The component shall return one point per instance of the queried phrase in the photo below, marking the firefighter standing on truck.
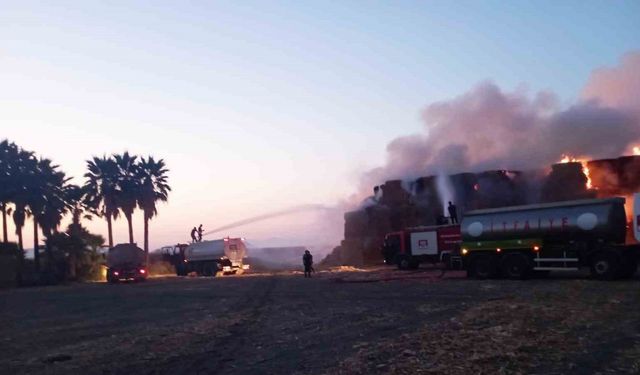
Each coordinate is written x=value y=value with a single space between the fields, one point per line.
x=194 y=232
x=453 y=213
x=307 y=261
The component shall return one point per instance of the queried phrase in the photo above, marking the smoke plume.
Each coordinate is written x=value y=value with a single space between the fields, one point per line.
x=617 y=87
x=489 y=128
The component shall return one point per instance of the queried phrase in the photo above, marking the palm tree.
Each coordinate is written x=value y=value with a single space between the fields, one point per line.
x=58 y=203
x=9 y=154
x=102 y=188
x=128 y=187
x=152 y=176
x=48 y=183
x=23 y=176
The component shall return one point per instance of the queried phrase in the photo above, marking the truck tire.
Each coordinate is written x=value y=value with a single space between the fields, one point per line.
x=515 y=266
x=446 y=260
x=179 y=270
x=605 y=265
x=414 y=264
x=209 y=269
x=482 y=266
x=403 y=262
x=629 y=266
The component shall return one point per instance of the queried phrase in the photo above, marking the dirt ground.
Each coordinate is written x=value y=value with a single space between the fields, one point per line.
x=350 y=321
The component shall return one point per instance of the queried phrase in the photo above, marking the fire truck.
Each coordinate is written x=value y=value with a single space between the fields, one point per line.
x=429 y=244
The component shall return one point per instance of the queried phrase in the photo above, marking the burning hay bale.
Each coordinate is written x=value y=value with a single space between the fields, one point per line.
x=399 y=204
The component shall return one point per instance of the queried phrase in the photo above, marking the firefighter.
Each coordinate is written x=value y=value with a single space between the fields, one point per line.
x=200 y=233
x=194 y=231
x=307 y=261
x=453 y=213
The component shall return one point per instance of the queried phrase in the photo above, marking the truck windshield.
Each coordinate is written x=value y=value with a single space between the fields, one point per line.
x=392 y=242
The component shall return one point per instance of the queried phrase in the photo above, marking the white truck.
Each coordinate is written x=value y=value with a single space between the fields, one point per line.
x=208 y=258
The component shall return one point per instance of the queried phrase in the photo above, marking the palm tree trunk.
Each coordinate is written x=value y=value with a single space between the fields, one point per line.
x=146 y=237
x=110 y=229
x=130 y=222
x=19 y=233
x=48 y=250
x=36 y=255
x=5 y=237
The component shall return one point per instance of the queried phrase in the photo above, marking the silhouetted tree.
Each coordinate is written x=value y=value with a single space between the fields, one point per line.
x=58 y=203
x=152 y=177
x=24 y=173
x=8 y=160
x=48 y=181
x=102 y=189
x=128 y=187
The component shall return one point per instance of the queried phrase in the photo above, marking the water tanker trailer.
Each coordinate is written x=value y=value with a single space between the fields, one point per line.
x=516 y=241
x=208 y=258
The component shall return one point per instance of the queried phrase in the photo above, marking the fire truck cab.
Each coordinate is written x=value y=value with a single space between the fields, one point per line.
x=430 y=244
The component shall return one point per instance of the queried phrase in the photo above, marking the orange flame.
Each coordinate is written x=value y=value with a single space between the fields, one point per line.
x=567 y=159
x=585 y=168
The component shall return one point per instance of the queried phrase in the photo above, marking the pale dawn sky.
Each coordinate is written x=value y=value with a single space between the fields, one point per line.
x=259 y=106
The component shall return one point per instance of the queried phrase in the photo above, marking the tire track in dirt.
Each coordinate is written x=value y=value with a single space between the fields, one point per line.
x=215 y=361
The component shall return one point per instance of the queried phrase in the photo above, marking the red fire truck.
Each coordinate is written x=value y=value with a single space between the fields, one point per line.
x=431 y=244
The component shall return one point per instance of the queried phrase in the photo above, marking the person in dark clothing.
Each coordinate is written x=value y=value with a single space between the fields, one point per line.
x=453 y=213
x=307 y=261
x=200 y=233
x=194 y=231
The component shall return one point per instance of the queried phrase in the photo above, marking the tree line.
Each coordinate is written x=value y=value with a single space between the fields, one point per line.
x=34 y=188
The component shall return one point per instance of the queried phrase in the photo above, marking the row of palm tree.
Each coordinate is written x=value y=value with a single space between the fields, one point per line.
x=32 y=187
x=122 y=183
x=35 y=188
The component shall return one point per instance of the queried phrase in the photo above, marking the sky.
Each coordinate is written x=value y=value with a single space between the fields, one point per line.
x=259 y=106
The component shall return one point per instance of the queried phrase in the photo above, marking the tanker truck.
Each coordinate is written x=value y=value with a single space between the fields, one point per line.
x=515 y=242
x=208 y=258
x=126 y=262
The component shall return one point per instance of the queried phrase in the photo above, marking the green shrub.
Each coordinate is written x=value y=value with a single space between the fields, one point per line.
x=10 y=264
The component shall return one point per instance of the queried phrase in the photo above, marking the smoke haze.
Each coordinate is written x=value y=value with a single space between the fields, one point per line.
x=489 y=128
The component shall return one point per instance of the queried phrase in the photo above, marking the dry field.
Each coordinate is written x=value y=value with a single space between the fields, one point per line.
x=349 y=321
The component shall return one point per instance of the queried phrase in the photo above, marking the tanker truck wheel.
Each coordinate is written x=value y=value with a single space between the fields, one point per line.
x=516 y=266
x=483 y=266
x=403 y=262
x=209 y=269
x=629 y=267
x=605 y=265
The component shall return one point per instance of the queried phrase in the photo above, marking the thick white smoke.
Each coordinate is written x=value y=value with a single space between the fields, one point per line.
x=489 y=128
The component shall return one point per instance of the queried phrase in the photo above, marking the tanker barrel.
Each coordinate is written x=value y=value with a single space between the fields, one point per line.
x=589 y=219
x=125 y=254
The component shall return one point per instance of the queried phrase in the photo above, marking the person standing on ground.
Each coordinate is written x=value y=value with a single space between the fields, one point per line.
x=193 y=235
x=200 y=233
x=453 y=213
x=307 y=261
